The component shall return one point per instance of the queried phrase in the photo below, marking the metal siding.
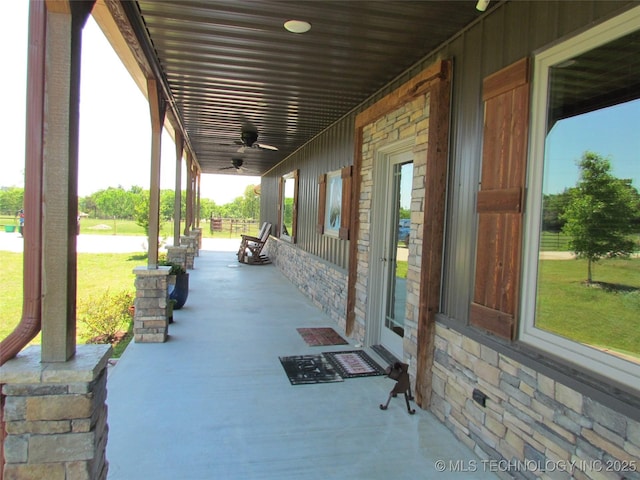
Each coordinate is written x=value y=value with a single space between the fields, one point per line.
x=331 y=150
x=463 y=174
x=510 y=32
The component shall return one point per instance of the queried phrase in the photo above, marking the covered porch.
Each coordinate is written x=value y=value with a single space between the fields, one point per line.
x=214 y=400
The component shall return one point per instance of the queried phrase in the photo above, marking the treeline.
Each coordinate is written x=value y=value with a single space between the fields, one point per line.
x=554 y=207
x=133 y=204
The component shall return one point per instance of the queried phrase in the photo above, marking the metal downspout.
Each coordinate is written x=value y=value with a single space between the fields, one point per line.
x=30 y=322
x=29 y=325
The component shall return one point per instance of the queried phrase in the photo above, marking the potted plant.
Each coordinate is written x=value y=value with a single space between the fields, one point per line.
x=178 y=283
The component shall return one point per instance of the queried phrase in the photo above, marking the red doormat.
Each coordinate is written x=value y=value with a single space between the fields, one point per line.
x=321 y=336
x=353 y=364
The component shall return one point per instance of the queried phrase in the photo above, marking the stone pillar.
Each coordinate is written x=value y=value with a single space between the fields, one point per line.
x=151 y=320
x=189 y=241
x=178 y=255
x=197 y=232
x=56 y=415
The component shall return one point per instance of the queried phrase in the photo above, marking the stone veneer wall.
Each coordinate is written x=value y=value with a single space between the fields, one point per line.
x=177 y=254
x=191 y=242
x=409 y=121
x=530 y=422
x=56 y=415
x=151 y=320
x=321 y=281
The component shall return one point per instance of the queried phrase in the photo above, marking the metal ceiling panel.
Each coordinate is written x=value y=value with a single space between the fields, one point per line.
x=231 y=65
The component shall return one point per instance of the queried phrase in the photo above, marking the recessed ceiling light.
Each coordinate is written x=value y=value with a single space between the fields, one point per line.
x=297 y=26
x=482 y=5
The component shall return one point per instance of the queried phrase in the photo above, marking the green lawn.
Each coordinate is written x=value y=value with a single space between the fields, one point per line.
x=605 y=315
x=96 y=273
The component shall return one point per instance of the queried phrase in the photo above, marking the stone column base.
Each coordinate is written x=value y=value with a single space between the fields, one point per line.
x=56 y=415
x=189 y=241
x=177 y=254
x=151 y=317
x=197 y=232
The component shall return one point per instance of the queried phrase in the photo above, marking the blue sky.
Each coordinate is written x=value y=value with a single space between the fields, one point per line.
x=612 y=132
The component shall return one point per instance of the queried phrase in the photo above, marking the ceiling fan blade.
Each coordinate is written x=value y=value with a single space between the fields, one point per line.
x=266 y=147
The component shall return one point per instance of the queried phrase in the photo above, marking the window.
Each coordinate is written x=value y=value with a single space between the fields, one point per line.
x=289 y=206
x=581 y=293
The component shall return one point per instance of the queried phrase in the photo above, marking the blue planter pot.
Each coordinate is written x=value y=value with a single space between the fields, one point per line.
x=180 y=291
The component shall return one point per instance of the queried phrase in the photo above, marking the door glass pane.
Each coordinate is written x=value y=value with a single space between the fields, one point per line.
x=398 y=252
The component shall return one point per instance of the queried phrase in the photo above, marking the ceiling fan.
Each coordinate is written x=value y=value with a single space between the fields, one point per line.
x=237 y=164
x=249 y=139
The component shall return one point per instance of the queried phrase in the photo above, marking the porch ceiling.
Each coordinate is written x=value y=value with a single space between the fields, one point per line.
x=231 y=64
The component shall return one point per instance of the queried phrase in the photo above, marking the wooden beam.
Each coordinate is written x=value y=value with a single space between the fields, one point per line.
x=418 y=85
x=177 y=200
x=199 y=174
x=189 y=207
x=355 y=231
x=157 y=108
x=433 y=231
x=60 y=183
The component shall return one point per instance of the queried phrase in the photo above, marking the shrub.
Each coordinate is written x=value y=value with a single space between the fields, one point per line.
x=176 y=269
x=103 y=316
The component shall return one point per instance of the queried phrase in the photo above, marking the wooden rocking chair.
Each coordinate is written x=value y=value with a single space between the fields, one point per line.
x=250 y=247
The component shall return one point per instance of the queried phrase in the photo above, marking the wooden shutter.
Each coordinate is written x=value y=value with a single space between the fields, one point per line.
x=345 y=213
x=500 y=200
x=322 y=202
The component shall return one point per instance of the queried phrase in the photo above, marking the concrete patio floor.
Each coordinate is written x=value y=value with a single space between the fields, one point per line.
x=214 y=401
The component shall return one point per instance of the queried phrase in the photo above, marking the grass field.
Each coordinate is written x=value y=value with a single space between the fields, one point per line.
x=605 y=315
x=96 y=273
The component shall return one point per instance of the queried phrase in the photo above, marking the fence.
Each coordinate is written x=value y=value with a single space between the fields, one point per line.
x=233 y=226
x=551 y=241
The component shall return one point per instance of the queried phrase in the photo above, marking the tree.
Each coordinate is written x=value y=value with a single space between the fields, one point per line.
x=11 y=200
x=207 y=208
x=251 y=203
x=115 y=203
x=141 y=211
x=553 y=206
x=599 y=213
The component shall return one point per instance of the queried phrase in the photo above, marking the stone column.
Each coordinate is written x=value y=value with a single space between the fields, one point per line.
x=151 y=320
x=197 y=232
x=178 y=255
x=56 y=415
x=189 y=241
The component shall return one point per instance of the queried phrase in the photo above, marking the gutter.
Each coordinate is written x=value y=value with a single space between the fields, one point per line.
x=30 y=323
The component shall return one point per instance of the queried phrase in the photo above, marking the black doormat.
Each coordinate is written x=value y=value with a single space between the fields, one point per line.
x=354 y=363
x=306 y=369
x=385 y=354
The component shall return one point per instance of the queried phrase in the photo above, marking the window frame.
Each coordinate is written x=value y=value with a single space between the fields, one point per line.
x=289 y=236
x=597 y=361
x=331 y=179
